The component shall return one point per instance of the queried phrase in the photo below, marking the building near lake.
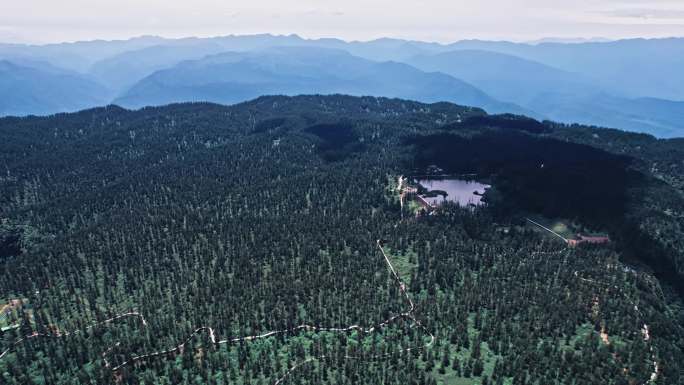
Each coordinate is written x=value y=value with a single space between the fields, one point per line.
x=582 y=239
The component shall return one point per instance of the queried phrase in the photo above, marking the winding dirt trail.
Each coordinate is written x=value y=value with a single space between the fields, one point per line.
x=644 y=330
x=59 y=334
x=406 y=316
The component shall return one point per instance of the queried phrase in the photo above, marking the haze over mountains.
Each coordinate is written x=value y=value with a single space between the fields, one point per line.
x=43 y=90
x=589 y=82
x=233 y=77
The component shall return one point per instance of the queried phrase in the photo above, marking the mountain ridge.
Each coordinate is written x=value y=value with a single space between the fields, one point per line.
x=296 y=70
x=581 y=82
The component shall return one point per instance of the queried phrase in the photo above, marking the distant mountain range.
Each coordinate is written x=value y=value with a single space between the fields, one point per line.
x=636 y=85
x=28 y=90
x=554 y=93
x=233 y=77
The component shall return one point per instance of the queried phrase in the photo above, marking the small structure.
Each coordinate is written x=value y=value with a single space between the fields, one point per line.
x=407 y=193
x=410 y=190
x=593 y=240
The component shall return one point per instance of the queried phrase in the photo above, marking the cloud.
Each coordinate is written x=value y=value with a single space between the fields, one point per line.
x=434 y=20
x=9 y=34
x=646 y=13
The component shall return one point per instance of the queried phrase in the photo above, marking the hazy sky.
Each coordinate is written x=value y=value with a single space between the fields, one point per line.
x=434 y=20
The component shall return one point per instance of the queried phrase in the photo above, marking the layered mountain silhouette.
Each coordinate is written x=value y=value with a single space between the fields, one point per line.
x=555 y=94
x=234 y=77
x=635 y=85
x=30 y=90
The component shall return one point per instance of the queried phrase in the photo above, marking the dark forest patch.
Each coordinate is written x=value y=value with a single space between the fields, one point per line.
x=269 y=125
x=10 y=242
x=334 y=134
x=543 y=175
x=502 y=121
x=337 y=140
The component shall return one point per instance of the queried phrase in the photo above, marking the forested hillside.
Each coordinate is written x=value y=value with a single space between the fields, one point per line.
x=257 y=243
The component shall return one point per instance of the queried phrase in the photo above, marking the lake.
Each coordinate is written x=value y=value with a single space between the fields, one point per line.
x=458 y=190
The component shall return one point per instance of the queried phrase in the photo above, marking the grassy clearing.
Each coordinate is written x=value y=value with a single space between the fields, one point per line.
x=4 y=314
x=405 y=263
x=412 y=206
x=11 y=318
x=585 y=332
x=565 y=228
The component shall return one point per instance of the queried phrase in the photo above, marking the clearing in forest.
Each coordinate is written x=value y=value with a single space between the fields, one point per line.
x=6 y=310
x=405 y=262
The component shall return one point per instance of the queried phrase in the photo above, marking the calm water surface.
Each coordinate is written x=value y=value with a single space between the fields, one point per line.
x=458 y=190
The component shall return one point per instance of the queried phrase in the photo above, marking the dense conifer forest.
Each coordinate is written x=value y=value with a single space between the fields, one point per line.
x=125 y=233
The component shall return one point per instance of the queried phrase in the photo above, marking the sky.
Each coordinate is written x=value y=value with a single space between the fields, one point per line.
x=48 y=21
